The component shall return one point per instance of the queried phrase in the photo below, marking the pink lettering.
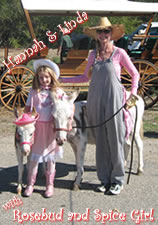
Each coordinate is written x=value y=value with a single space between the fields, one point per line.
x=35 y=48
x=25 y=217
x=52 y=37
x=70 y=25
x=32 y=216
x=63 y=30
x=85 y=216
x=7 y=206
x=79 y=18
x=59 y=216
x=78 y=217
x=44 y=215
x=29 y=52
x=20 y=58
x=12 y=203
x=85 y=16
x=97 y=215
x=139 y=216
x=17 y=216
x=40 y=44
x=111 y=216
x=37 y=217
x=10 y=64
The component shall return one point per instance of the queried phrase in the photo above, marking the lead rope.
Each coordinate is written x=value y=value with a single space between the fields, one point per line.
x=131 y=103
x=131 y=161
x=99 y=125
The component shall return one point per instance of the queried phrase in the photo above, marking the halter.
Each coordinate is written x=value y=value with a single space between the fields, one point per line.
x=65 y=129
x=62 y=129
x=26 y=142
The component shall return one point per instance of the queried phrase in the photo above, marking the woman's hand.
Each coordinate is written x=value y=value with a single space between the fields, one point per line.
x=131 y=101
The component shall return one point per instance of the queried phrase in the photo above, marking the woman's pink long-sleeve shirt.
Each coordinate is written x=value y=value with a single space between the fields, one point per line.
x=120 y=59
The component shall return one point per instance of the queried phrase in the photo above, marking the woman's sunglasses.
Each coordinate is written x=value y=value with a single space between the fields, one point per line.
x=104 y=31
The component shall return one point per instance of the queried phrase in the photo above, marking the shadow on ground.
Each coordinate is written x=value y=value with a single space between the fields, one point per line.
x=150 y=134
x=9 y=177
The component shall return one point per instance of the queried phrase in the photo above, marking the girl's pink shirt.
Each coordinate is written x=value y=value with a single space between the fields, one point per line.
x=43 y=102
x=120 y=59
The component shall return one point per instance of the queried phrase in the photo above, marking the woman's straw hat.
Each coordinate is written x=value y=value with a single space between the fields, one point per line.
x=104 y=24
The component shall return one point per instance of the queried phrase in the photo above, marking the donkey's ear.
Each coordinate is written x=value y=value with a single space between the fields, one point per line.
x=53 y=95
x=74 y=95
x=34 y=112
x=18 y=111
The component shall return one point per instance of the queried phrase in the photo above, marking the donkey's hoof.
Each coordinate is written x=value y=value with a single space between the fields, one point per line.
x=140 y=172
x=76 y=187
x=19 y=191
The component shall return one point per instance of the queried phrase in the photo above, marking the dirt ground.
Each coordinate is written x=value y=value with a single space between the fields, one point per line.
x=141 y=194
x=137 y=202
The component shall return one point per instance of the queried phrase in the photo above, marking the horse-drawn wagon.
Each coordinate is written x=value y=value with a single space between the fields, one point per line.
x=16 y=78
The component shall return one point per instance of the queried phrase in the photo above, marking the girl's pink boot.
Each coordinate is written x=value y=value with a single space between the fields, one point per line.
x=49 y=184
x=30 y=185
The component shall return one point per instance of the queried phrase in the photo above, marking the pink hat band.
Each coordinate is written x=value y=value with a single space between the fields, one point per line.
x=26 y=118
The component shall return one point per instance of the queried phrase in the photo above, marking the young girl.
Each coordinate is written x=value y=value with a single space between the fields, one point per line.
x=45 y=146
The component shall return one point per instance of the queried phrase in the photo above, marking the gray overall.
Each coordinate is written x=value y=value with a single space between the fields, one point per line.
x=105 y=97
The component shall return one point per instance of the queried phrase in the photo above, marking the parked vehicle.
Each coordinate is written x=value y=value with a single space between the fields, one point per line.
x=16 y=81
x=139 y=31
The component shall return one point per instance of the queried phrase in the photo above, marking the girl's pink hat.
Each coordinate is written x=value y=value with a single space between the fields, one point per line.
x=26 y=118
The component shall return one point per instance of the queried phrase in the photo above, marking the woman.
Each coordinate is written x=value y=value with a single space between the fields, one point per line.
x=106 y=95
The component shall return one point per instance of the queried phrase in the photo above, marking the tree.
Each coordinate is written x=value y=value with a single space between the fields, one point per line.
x=14 y=30
x=13 y=27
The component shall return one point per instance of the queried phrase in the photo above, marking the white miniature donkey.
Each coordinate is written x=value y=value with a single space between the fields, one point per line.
x=80 y=137
x=24 y=138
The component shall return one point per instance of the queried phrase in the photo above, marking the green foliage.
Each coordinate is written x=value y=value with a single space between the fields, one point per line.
x=14 y=30
x=151 y=125
x=130 y=22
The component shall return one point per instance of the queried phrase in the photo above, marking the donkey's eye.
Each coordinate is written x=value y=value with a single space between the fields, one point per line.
x=20 y=134
x=31 y=134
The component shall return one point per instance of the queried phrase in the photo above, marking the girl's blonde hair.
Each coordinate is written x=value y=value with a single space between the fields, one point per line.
x=54 y=81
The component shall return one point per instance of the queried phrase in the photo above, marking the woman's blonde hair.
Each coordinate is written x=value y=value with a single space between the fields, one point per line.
x=98 y=46
x=54 y=81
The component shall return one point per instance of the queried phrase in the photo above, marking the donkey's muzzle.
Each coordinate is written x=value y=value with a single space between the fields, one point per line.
x=60 y=142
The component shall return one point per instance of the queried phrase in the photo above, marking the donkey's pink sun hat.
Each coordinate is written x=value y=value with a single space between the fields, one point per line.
x=26 y=118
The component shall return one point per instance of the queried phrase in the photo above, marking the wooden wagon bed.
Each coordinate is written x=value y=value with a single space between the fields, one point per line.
x=74 y=65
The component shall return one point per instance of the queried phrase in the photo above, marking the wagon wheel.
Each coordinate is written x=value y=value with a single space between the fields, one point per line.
x=14 y=86
x=148 y=83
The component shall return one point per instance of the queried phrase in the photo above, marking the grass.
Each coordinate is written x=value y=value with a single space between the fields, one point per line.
x=151 y=125
x=150 y=119
x=56 y=59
